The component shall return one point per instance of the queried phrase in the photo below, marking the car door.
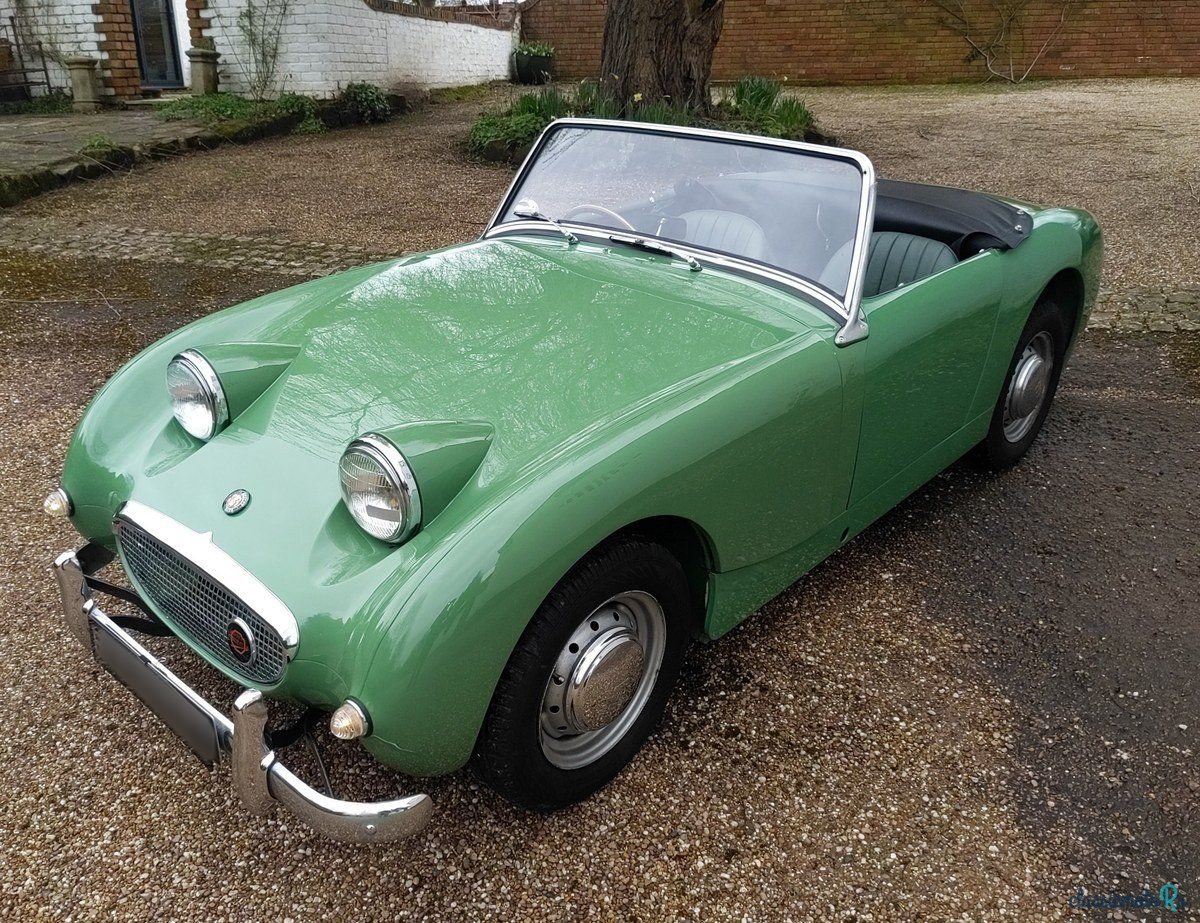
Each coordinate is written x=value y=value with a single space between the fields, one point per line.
x=925 y=353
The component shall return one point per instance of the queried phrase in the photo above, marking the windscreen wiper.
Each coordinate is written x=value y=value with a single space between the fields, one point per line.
x=653 y=246
x=528 y=209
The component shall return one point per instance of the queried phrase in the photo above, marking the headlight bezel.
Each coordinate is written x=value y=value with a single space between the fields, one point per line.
x=395 y=467
x=209 y=388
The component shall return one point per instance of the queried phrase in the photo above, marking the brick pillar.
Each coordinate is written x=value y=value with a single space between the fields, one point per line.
x=197 y=21
x=120 y=73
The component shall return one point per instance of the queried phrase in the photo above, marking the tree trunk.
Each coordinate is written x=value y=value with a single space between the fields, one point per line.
x=661 y=49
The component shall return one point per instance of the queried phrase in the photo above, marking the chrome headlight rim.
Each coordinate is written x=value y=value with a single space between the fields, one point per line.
x=395 y=467
x=210 y=389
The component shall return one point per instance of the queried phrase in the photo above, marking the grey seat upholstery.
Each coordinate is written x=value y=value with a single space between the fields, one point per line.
x=728 y=231
x=899 y=259
x=894 y=260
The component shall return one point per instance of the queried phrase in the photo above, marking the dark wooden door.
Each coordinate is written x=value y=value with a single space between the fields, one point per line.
x=158 y=52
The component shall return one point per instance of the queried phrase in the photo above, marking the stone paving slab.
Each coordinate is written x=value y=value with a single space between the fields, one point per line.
x=1142 y=310
x=1148 y=310
x=31 y=142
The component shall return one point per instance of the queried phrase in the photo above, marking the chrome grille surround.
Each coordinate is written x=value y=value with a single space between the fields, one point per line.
x=199 y=590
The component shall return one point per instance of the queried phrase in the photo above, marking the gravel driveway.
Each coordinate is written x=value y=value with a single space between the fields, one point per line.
x=987 y=701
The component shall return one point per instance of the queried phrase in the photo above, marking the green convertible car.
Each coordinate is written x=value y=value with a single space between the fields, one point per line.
x=472 y=505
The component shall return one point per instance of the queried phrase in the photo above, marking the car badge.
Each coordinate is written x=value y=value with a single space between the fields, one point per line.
x=236 y=502
x=241 y=641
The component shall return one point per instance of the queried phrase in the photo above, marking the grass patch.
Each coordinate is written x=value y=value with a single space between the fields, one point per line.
x=213 y=108
x=49 y=104
x=98 y=147
x=465 y=94
x=756 y=106
x=230 y=114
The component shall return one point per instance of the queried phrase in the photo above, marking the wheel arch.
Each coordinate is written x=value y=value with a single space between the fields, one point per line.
x=688 y=543
x=1066 y=291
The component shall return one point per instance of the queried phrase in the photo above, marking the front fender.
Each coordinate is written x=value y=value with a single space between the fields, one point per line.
x=461 y=611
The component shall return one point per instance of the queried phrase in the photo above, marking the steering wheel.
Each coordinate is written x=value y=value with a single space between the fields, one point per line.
x=598 y=210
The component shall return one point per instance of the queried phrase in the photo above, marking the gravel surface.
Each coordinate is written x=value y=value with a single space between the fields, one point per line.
x=987 y=701
x=404 y=185
x=1126 y=150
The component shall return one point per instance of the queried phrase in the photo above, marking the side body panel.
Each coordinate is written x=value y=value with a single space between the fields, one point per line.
x=1062 y=240
x=925 y=354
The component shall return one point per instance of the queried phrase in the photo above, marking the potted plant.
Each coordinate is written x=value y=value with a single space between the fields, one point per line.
x=531 y=62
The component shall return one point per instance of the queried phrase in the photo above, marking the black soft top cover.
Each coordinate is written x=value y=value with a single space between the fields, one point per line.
x=967 y=221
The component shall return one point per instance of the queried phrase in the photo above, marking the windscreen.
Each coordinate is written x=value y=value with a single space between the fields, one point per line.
x=787 y=209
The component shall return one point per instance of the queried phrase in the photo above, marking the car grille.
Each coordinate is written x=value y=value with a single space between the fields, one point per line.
x=196 y=606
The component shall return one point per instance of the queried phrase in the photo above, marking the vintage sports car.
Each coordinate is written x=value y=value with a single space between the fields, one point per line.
x=473 y=504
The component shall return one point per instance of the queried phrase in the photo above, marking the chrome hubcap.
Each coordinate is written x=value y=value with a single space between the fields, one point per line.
x=1029 y=386
x=602 y=679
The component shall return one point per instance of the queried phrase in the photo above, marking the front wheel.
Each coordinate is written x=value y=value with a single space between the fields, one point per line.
x=1028 y=389
x=589 y=678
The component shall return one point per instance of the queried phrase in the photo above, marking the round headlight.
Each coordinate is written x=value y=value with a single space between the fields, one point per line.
x=379 y=489
x=197 y=398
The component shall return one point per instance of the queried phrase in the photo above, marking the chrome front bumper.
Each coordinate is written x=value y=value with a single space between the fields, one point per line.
x=258 y=775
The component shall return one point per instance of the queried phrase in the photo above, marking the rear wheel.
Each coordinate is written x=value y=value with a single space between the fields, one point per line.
x=589 y=678
x=1028 y=388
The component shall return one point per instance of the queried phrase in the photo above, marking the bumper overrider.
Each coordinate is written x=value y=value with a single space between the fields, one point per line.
x=259 y=777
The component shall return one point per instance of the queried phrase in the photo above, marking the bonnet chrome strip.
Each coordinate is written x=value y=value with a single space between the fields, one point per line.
x=198 y=548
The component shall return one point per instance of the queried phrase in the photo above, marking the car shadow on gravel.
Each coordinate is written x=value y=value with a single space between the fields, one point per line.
x=1072 y=580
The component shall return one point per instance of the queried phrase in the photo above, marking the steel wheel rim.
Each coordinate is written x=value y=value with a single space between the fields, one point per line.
x=1029 y=387
x=587 y=682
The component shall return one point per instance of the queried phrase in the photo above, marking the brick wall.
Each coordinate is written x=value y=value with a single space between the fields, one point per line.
x=198 y=19
x=119 y=68
x=328 y=43
x=899 y=41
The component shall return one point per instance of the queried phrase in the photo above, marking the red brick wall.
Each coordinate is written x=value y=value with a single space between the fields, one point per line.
x=899 y=41
x=198 y=20
x=119 y=70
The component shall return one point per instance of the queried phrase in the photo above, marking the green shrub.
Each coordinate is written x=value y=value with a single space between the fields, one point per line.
x=49 y=104
x=510 y=130
x=596 y=100
x=213 y=108
x=311 y=125
x=548 y=104
x=756 y=106
x=367 y=102
x=661 y=113
x=792 y=119
x=535 y=49
x=304 y=110
x=755 y=94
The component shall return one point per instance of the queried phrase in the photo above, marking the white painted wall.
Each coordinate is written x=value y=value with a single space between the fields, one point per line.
x=64 y=27
x=326 y=44
x=183 y=40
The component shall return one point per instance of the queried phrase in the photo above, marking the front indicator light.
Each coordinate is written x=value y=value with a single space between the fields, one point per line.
x=57 y=504
x=349 y=722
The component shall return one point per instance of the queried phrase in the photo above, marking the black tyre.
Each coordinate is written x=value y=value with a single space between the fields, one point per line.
x=1028 y=390
x=589 y=678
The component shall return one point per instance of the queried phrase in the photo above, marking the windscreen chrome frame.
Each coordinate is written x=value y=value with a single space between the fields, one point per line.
x=848 y=311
